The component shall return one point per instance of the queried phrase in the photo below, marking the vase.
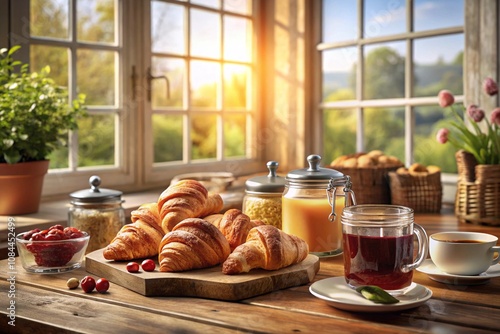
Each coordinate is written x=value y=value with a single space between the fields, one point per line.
x=477 y=199
x=21 y=187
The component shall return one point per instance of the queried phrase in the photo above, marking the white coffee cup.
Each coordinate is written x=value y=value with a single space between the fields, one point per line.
x=463 y=253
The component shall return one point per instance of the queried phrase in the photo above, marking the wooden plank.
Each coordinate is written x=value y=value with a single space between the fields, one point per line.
x=205 y=283
x=87 y=316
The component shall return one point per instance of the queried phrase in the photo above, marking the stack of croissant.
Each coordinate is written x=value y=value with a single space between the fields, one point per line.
x=186 y=231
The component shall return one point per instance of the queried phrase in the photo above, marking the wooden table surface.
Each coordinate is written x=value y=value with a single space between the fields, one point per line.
x=43 y=304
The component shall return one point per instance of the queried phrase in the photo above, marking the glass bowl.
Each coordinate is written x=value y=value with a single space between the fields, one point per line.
x=52 y=256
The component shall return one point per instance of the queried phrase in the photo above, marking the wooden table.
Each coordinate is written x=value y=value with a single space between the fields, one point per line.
x=43 y=304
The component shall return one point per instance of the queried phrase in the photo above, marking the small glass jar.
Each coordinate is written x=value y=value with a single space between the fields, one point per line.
x=263 y=197
x=98 y=212
x=313 y=201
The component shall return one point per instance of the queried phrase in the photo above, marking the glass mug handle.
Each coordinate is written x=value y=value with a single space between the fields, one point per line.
x=422 y=248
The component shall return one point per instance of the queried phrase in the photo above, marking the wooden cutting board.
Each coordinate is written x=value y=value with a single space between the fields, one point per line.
x=204 y=283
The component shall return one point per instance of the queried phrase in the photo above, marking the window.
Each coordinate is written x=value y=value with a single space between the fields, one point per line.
x=382 y=66
x=170 y=85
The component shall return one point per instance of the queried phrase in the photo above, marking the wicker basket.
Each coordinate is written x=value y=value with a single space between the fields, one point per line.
x=422 y=193
x=478 y=191
x=370 y=184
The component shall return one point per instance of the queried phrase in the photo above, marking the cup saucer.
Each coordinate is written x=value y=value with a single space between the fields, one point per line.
x=428 y=267
x=338 y=294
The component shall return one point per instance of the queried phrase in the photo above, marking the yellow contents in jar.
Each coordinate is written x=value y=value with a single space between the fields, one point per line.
x=268 y=209
x=308 y=219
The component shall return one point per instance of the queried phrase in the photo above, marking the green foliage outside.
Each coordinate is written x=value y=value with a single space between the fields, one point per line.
x=384 y=127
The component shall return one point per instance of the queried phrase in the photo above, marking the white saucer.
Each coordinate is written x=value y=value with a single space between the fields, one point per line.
x=428 y=267
x=337 y=293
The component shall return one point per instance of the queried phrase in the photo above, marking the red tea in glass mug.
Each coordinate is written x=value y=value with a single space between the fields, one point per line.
x=378 y=246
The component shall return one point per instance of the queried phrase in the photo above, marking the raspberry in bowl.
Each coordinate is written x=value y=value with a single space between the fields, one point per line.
x=54 y=250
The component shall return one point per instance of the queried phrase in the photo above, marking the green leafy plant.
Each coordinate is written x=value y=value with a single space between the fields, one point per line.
x=35 y=114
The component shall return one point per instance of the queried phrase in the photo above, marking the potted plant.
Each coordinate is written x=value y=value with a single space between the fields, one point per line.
x=35 y=117
x=477 y=139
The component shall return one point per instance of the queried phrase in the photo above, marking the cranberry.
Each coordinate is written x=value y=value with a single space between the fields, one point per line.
x=102 y=285
x=28 y=235
x=148 y=265
x=132 y=267
x=88 y=284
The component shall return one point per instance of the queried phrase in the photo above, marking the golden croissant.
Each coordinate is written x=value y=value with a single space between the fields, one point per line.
x=234 y=225
x=186 y=199
x=266 y=247
x=139 y=239
x=192 y=244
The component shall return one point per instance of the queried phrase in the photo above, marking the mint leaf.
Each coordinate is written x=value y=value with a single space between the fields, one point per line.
x=376 y=294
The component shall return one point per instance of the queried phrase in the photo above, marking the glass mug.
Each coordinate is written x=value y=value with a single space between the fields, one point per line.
x=378 y=246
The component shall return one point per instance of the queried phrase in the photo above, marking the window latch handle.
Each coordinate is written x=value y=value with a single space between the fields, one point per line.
x=151 y=77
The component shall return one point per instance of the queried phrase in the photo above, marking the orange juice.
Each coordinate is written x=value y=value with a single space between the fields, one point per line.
x=308 y=219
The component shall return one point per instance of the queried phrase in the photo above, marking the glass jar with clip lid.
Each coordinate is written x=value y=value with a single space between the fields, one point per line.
x=313 y=201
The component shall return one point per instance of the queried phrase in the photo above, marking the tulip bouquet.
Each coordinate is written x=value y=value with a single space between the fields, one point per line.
x=483 y=144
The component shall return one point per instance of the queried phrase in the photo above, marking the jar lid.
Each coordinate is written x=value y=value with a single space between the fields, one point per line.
x=96 y=194
x=271 y=183
x=315 y=173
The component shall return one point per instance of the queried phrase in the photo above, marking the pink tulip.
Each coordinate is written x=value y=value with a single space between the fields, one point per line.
x=442 y=135
x=490 y=87
x=475 y=113
x=495 y=116
x=445 y=98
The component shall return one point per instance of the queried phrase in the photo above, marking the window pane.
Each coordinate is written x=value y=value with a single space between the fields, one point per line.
x=49 y=18
x=437 y=14
x=96 y=21
x=438 y=64
x=382 y=18
x=238 y=6
x=234 y=135
x=207 y=3
x=236 y=79
x=168 y=93
x=59 y=157
x=339 y=20
x=96 y=76
x=167 y=138
x=204 y=137
x=205 y=34
x=339 y=74
x=205 y=83
x=384 y=130
x=167 y=35
x=384 y=71
x=237 y=39
x=428 y=120
x=96 y=143
x=339 y=133
x=55 y=57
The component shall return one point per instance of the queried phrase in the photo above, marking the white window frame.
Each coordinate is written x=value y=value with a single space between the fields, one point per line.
x=133 y=170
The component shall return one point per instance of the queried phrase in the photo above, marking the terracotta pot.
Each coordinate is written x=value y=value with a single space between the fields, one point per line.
x=21 y=187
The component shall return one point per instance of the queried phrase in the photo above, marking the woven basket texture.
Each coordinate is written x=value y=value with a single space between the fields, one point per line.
x=477 y=199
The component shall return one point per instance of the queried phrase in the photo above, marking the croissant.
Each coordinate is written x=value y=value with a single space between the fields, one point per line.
x=186 y=199
x=192 y=244
x=234 y=225
x=266 y=247
x=139 y=239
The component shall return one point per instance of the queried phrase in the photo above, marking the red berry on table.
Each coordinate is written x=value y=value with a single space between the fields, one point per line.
x=133 y=267
x=102 y=285
x=88 y=284
x=148 y=265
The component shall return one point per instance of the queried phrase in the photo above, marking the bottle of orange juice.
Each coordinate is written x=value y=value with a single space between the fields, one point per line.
x=312 y=206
